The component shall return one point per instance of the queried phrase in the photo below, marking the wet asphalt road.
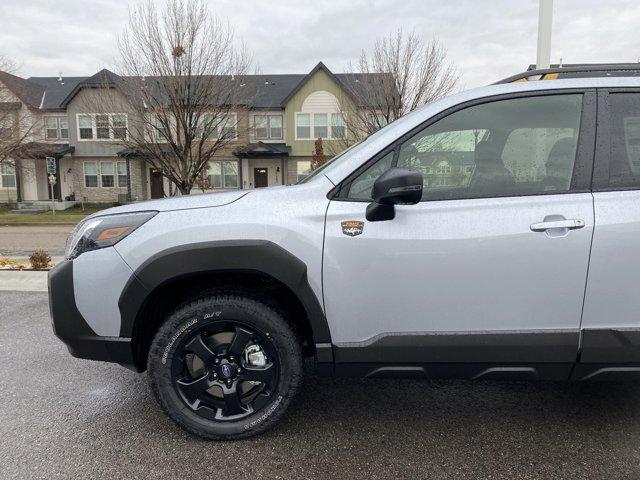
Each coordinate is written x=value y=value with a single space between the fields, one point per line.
x=66 y=418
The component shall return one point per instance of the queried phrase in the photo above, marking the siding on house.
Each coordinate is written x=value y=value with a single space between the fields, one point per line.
x=319 y=82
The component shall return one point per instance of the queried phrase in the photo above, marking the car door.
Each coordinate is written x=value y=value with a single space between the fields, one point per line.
x=491 y=266
x=611 y=320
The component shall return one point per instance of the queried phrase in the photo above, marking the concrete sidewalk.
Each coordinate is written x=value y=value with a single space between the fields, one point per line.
x=21 y=281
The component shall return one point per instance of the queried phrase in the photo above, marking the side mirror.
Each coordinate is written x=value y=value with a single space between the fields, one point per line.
x=397 y=186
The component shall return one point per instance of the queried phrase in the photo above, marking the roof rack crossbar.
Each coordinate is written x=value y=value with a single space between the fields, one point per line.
x=545 y=71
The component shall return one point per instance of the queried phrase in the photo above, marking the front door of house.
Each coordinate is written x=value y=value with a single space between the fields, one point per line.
x=260 y=177
x=157 y=190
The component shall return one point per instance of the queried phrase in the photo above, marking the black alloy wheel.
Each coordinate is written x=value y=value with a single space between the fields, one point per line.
x=225 y=366
x=213 y=372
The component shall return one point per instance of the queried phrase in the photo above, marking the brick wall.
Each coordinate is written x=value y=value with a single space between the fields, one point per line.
x=107 y=194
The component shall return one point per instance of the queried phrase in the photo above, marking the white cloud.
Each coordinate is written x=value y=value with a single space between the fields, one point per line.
x=486 y=39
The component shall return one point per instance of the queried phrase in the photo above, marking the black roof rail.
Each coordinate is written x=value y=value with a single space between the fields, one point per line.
x=611 y=67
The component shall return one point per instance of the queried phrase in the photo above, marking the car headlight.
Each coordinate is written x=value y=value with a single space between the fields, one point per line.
x=105 y=231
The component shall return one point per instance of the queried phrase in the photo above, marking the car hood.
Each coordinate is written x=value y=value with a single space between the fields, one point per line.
x=204 y=200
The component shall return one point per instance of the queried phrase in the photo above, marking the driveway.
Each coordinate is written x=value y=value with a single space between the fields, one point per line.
x=66 y=418
x=24 y=240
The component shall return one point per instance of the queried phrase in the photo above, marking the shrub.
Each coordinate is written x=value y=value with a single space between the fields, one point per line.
x=10 y=263
x=39 y=260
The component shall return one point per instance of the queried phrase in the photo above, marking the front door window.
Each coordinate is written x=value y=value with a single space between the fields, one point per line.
x=514 y=147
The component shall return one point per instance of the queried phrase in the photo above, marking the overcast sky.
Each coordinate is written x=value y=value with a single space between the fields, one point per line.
x=486 y=39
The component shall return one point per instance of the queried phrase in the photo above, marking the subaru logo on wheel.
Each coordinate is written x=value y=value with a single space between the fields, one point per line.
x=225 y=371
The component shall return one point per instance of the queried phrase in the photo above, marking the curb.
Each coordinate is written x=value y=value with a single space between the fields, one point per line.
x=25 y=281
x=45 y=224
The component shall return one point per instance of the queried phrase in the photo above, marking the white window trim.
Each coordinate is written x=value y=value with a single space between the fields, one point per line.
x=2 y=175
x=127 y=173
x=84 y=173
x=219 y=128
x=222 y=181
x=116 y=183
x=59 y=138
x=155 y=134
x=94 y=130
x=268 y=117
x=310 y=126
x=313 y=128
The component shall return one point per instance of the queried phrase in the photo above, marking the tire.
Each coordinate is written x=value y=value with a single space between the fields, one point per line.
x=204 y=390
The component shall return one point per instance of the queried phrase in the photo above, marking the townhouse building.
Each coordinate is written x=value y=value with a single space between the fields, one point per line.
x=273 y=138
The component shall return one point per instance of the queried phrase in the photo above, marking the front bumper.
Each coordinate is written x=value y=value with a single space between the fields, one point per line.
x=70 y=327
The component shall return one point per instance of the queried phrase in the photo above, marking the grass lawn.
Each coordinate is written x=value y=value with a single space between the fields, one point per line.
x=71 y=215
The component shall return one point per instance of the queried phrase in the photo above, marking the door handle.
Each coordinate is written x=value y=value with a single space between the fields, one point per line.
x=572 y=224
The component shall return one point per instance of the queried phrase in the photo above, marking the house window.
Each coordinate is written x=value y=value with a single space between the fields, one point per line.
x=56 y=128
x=85 y=125
x=228 y=127
x=121 y=170
x=230 y=174
x=223 y=174
x=222 y=127
x=320 y=125
x=7 y=176
x=102 y=126
x=268 y=127
x=262 y=127
x=90 y=174
x=303 y=126
x=303 y=169
x=107 y=178
x=162 y=132
x=338 y=127
x=443 y=168
x=275 y=127
x=311 y=126
x=108 y=172
x=119 y=126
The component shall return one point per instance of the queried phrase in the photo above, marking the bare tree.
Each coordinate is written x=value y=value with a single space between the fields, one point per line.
x=180 y=82
x=319 y=158
x=400 y=74
x=15 y=125
x=18 y=119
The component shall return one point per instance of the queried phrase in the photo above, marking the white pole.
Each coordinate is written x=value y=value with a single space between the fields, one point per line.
x=545 y=20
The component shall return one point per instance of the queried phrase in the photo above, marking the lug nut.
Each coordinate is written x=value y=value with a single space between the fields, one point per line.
x=216 y=361
x=239 y=370
x=215 y=375
x=231 y=359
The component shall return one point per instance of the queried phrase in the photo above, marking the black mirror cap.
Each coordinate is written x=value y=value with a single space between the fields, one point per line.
x=398 y=186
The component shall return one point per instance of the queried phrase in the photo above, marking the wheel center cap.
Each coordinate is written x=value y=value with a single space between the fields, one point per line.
x=226 y=370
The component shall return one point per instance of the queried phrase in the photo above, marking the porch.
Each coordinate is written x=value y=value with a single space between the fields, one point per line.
x=263 y=164
x=33 y=190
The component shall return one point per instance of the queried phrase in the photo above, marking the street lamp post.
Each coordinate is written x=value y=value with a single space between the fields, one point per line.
x=545 y=20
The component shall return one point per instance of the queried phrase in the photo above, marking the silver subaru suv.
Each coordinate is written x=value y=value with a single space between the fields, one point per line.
x=491 y=234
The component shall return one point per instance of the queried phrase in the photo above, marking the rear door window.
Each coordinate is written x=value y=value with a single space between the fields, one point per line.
x=624 y=163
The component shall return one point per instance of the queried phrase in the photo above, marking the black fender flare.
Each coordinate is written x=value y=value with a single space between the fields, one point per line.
x=260 y=256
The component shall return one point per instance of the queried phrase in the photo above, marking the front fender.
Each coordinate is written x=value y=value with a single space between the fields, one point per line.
x=218 y=256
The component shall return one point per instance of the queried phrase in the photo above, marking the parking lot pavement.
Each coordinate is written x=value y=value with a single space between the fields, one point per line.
x=24 y=240
x=62 y=417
